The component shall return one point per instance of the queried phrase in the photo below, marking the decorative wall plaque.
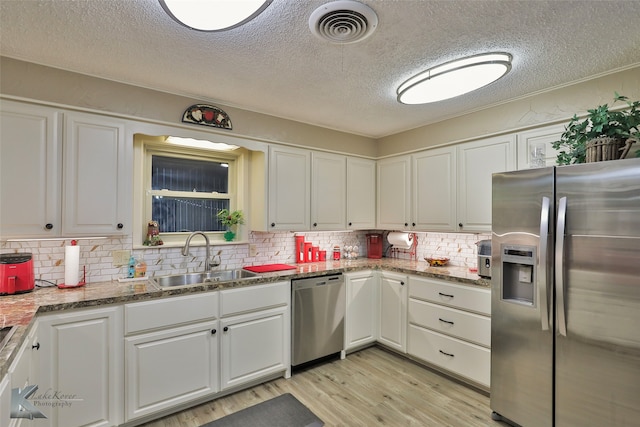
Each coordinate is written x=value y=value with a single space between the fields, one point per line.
x=207 y=115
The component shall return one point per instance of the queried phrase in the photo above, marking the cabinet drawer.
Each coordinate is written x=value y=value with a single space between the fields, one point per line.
x=141 y=316
x=449 y=321
x=458 y=296
x=241 y=300
x=461 y=358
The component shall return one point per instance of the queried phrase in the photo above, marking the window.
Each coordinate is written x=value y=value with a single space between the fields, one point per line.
x=183 y=188
x=186 y=194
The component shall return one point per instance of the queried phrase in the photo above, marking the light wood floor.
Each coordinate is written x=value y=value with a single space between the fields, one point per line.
x=370 y=387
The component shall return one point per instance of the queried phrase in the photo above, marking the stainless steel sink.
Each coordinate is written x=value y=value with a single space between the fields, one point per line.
x=200 y=278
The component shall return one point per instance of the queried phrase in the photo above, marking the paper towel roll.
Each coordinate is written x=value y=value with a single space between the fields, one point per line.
x=71 y=265
x=400 y=240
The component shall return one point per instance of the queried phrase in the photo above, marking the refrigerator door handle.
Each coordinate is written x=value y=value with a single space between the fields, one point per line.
x=560 y=297
x=542 y=268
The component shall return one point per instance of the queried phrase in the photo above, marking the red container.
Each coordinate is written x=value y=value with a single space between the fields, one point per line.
x=315 y=254
x=374 y=245
x=322 y=255
x=307 y=252
x=299 y=249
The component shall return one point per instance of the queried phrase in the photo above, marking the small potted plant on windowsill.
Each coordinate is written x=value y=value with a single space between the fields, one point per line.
x=601 y=135
x=231 y=221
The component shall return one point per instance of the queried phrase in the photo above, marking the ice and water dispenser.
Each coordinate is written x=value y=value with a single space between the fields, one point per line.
x=518 y=274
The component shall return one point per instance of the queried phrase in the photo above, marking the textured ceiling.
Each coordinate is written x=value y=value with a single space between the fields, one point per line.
x=275 y=65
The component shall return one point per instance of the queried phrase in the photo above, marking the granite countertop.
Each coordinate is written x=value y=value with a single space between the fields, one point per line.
x=20 y=310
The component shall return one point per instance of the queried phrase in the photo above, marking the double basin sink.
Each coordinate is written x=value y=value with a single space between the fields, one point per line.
x=203 y=278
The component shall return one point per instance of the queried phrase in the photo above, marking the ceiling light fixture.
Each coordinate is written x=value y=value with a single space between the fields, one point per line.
x=454 y=78
x=213 y=15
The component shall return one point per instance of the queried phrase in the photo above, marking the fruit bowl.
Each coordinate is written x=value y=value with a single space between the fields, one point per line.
x=437 y=261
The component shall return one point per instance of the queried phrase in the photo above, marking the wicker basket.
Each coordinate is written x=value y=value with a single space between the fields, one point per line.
x=607 y=148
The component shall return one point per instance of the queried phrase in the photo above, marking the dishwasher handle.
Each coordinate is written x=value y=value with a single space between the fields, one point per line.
x=312 y=282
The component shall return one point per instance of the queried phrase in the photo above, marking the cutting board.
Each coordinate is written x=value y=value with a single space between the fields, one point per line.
x=266 y=268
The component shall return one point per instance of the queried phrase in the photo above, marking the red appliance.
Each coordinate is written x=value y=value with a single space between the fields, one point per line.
x=374 y=245
x=16 y=273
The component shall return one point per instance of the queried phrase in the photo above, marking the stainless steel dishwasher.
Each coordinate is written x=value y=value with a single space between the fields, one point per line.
x=318 y=307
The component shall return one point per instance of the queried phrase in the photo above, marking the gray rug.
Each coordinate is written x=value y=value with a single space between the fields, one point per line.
x=281 y=411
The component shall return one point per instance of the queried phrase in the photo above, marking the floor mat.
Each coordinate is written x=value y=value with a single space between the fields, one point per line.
x=281 y=411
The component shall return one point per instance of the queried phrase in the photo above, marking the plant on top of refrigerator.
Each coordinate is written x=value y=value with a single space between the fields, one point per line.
x=623 y=124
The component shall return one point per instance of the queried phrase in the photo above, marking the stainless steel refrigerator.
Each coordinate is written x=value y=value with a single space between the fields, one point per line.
x=565 y=338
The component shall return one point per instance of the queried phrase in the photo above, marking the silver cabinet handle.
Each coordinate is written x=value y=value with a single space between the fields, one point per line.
x=542 y=268
x=560 y=302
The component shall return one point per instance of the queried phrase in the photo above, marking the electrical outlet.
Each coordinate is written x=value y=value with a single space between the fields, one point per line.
x=120 y=258
x=253 y=250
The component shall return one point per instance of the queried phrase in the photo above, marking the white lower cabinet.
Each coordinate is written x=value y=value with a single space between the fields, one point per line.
x=81 y=370
x=170 y=367
x=450 y=328
x=253 y=346
x=171 y=352
x=361 y=319
x=393 y=310
x=22 y=373
x=255 y=333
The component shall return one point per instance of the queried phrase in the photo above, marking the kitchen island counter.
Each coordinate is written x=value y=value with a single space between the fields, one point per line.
x=20 y=310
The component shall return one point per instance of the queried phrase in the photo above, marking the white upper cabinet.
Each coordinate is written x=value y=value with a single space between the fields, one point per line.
x=63 y=173
x=361 y=193
x=394 y=196
x=434 y=189
x=96 y=178
x=477 y=162
x=30 y=164
x=328 y=191
x=317 y=191
x=289 y=189
x=537 y=142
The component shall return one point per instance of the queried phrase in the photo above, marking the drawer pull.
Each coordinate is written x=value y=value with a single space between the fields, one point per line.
x=445 y=321
x=446 y=354
x=445 y=295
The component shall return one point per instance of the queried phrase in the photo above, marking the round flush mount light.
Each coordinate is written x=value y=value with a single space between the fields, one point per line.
x=213 y=15
x=454 y=78
x=343 y=21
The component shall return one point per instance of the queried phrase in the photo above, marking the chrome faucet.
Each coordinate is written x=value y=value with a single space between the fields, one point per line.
x=207 y=260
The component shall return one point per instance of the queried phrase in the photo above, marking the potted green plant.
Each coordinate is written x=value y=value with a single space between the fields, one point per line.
x=601 y=135
x=231 y=221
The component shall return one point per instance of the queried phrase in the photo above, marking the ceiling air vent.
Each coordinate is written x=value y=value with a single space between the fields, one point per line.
x=343 y=21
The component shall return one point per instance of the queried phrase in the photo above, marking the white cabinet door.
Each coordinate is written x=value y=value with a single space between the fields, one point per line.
x=538 y=141
x=393 y=310
x=289 y=189
x=361 y=194
x=328 y=191
x=434 y=189
x=253 y=345
x=5 y=401
x=169 y=367
x=394 y=196
x=477 y=162
x=30 y=159
x=81 y=360
x=96 y=176
x=361 y=318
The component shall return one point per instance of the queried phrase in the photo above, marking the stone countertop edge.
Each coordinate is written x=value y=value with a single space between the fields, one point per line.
x=20 y=310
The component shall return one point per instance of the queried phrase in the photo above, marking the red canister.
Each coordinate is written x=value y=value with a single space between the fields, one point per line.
x=307 y=252
x=315 y=254
x=299 y=249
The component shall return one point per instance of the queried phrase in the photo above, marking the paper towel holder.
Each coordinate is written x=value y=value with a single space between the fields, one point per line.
x=412 y=251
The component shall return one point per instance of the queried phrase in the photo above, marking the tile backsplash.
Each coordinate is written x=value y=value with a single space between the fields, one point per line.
x=276 y=247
